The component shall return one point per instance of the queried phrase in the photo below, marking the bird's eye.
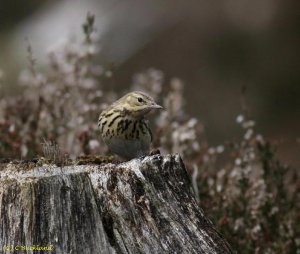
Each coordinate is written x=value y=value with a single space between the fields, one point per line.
x=140 y=99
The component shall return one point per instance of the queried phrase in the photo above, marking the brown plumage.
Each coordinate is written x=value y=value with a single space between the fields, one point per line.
x=123 y=125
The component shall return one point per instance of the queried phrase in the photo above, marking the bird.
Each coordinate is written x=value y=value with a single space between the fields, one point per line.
x=124 y=127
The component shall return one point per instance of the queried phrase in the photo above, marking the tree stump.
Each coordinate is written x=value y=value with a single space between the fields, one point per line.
x=145 y=205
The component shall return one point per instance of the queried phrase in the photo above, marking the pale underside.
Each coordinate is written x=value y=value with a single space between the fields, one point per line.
x=129 y=148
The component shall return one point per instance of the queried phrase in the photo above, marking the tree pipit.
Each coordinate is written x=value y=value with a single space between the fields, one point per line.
x=123 y=125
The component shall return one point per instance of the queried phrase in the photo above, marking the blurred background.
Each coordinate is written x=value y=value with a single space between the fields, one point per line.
x=216 y=48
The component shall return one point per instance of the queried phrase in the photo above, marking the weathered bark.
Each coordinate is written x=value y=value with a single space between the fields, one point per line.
x=141 y=206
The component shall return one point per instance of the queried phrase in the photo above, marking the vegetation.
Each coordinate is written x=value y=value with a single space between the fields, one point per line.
x=251 y=196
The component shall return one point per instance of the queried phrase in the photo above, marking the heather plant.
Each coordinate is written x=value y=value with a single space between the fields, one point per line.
x=251 y=196
x=62 y=104
x=254 y=198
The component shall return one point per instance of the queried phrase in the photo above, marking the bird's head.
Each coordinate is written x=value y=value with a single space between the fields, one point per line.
x=137 y=103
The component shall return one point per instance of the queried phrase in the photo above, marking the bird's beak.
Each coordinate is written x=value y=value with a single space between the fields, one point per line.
x=155 y=106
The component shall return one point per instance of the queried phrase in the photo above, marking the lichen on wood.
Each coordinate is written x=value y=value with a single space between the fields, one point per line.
x=145 y=205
